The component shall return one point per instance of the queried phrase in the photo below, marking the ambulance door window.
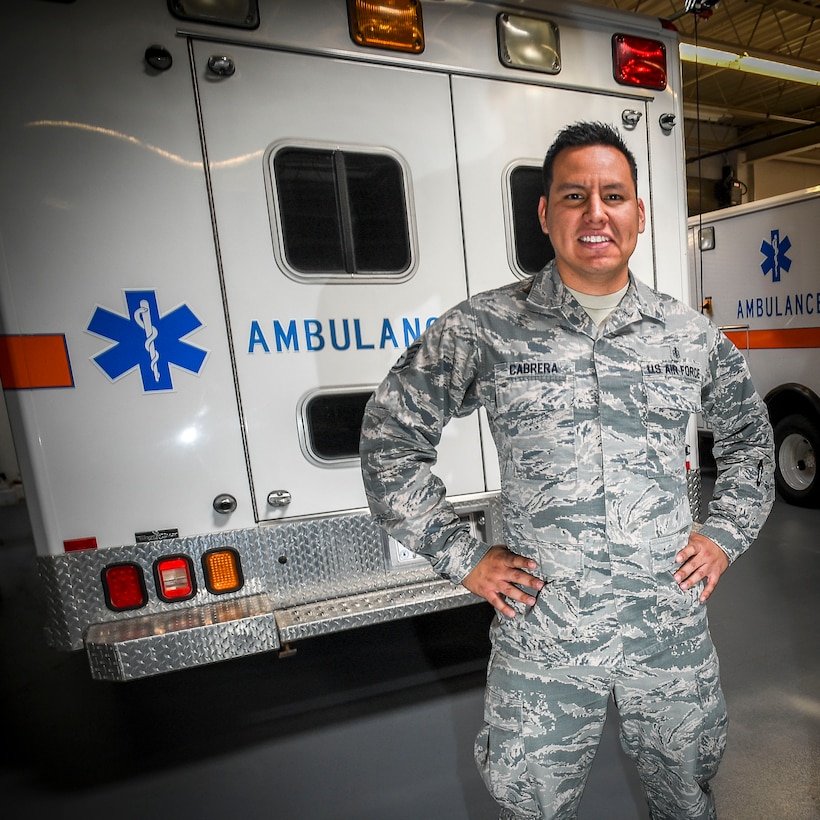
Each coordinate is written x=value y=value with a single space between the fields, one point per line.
x=308 y=210
x=332 y=425
x=531 y=246
x=341 y=213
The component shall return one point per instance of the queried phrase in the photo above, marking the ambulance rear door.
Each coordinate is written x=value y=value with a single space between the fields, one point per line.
x=502 y=132
x=304 y=150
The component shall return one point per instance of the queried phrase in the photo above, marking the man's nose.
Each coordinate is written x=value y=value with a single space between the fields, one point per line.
x=595 y=210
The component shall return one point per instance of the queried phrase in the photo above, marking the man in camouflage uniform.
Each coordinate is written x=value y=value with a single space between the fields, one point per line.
x=588 y=378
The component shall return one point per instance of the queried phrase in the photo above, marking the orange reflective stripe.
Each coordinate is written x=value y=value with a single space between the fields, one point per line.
x=29 y=362
x=792 y=337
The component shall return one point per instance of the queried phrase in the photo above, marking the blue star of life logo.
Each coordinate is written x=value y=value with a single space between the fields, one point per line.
x=143 y=339
x=776 y=259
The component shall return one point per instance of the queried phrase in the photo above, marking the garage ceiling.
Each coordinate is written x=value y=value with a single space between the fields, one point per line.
x=767 y=118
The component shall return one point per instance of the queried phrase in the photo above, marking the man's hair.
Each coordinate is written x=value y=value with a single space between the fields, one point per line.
x=581 y=135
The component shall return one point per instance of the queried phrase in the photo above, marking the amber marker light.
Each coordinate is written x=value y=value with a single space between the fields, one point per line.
x=223 y=570
x=393 y=24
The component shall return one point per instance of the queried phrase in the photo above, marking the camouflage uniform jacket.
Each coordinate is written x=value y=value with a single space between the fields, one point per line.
x=590 y=430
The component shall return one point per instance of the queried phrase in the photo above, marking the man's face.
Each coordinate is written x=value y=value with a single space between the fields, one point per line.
x=593 y=217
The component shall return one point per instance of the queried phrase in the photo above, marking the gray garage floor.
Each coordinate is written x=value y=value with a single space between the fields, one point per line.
x=378 y=724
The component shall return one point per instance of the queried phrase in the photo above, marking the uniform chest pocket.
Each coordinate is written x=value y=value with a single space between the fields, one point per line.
x=672 y=393
x=535 y=431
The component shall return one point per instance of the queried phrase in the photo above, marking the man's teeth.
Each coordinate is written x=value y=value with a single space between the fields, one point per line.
x=594 y=239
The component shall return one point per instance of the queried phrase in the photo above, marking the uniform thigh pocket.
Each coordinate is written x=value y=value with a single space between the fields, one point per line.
x=499 y=751
x=712 y=734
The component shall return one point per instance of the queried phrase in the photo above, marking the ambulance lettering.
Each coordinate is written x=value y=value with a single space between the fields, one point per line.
x=793 y=304
x=313 y=335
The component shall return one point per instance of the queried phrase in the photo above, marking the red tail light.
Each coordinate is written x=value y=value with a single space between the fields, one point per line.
x=124 y=587
x=638 y=61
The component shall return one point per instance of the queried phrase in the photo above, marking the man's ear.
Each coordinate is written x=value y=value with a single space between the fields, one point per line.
x=641 y=216
x=542 y=214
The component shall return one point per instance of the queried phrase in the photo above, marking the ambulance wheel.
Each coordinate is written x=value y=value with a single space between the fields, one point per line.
x=796 y=446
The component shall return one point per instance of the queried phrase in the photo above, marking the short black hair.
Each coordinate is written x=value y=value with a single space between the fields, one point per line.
x=580 y=135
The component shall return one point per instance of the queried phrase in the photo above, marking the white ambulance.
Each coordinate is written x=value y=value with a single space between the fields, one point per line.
x=221 y=224
x=756 y=271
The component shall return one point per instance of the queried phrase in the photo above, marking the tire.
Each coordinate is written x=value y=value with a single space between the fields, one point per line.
x=796 y=447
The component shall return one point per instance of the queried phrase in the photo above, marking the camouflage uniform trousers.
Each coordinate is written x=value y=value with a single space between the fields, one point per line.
x=542 y=729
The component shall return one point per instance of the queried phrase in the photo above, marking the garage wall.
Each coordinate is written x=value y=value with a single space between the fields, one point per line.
x=771 y=177
x=762 y=178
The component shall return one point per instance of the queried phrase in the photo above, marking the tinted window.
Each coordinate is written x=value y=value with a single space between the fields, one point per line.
x=342 y=212
x=533 y=248
x=309 y=212
x=334 y=424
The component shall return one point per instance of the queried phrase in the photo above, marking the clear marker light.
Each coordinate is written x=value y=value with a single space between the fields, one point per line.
x=175 y=578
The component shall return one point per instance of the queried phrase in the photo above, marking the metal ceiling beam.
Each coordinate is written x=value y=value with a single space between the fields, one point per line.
x=792 y=6
x=800 y=140
x=715 y=113
x=735 y=48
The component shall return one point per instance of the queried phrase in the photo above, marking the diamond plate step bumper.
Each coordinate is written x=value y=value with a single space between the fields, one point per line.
x=309 y=620
x=152 y=644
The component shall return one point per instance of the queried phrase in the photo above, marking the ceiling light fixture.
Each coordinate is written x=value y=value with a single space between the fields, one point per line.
x=706 y=55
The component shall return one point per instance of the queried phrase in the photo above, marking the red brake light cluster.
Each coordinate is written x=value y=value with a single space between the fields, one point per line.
x=175 y=580
x=638 y=61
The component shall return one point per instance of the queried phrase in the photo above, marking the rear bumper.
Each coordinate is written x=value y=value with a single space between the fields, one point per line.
x=151 y=644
